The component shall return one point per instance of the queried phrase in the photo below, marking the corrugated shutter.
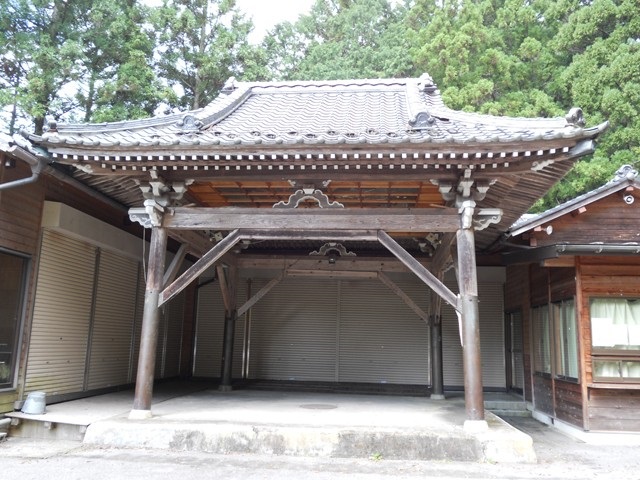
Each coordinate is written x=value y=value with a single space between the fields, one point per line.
x=381 y=340
x=490 y=296
x=137 y=326
x=62 y=309
x=210 y=332
x=491 y=306
x=293 y=334
x=174 y=314
x=113 y=322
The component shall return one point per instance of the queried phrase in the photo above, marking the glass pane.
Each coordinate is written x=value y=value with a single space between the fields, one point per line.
x=606 y=369
x=11 y=282
x=568 y=339
x=630 y=370
x=615 y=323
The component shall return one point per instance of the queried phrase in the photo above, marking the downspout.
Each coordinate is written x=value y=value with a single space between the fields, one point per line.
x=37 y=164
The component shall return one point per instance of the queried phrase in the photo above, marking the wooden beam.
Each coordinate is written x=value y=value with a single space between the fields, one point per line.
x=329 y=274
x=174 y=267
x=211 y=257
x=227 y=280
x=321 y=234
x=423 y=274
x=405 y=298
x=313 y=262
x=258 y=296
x=389 y=219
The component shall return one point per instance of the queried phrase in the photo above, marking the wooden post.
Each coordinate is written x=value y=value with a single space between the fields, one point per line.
x=437 y=375
x=227 y=351
x=228 y=280
x=150 y=324
x=468 y=283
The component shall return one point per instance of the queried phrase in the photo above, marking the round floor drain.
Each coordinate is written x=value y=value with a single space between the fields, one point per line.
x=319 y=406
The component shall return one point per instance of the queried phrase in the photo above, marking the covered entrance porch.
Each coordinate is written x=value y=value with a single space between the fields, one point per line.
x=378 y=168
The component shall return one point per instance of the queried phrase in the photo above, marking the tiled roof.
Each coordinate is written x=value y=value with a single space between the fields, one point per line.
x=374 y=112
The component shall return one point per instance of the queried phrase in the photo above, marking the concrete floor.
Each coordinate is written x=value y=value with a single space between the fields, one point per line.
x=192 y=416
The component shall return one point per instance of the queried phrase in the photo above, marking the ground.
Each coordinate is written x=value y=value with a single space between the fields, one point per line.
x=559 y=457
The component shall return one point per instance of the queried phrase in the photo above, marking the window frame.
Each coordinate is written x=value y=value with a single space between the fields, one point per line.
x=561 y=340
x=611 y=354
x=542 y=345
x=21 y=304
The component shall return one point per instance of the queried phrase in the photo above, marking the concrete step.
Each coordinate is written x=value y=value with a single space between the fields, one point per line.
x=512 y=413
x=3 y=437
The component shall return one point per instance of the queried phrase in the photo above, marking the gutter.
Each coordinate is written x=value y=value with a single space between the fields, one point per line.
x=36 y=163
x=538 y=254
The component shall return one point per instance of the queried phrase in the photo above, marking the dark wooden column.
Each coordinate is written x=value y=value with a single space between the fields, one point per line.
x=150 y=323
x=468 y=283
x=228 y=282
x=435 y=322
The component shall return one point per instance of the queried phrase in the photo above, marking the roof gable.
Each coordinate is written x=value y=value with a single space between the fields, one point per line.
x=625 y=177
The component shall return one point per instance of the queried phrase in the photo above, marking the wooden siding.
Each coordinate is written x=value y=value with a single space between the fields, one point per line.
x=569 y=402
x=20 y=212
x=614 y=410
x=608 y=220
x=542 y=394
x=562 y=283
x=539 y=285
x=517 y=297
x=608 y=409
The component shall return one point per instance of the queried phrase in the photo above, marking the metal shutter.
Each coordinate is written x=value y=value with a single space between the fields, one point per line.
x=62 y=308
x=210 y=332
x=380 y=339
x=172 y=337
x=137 y=325
x=293 y=334
x=490 y=306
x=113 y=321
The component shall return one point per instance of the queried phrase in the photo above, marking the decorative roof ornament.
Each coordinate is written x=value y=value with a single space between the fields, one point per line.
x=575 y=117
x=229 y=86
x=189 y=123
x=625 y=172
x=419 y=117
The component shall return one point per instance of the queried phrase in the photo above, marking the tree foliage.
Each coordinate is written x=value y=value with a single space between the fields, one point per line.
x=117 y=59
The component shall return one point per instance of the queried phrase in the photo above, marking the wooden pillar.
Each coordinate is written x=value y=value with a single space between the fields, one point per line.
x=228 y=282
x=437 y=364
x=437 y=376
x=227 y=351
x=150 y=324
x=472 y=360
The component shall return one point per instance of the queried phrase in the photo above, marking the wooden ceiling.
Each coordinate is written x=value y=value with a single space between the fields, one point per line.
x=366 y=194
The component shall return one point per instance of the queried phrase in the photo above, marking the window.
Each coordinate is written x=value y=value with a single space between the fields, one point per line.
x=564 y=316
x=12 y=268
x=615 y=339
x=541 y=339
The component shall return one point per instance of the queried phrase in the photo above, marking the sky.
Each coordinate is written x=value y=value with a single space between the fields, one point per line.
x=267 y=13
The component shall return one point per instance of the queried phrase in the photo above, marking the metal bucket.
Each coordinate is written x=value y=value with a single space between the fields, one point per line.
x=35 y=404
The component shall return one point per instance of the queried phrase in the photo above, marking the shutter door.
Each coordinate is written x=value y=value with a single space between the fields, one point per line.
x=210 y=332
x=137 y=326
x=115 y=305
x=62 y=309
x=293 y=335
x=381 y=339
x=174 y=313
x=491 y=308
x=491 y=338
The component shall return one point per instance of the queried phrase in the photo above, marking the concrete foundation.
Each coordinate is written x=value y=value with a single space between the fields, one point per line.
x=296 y=423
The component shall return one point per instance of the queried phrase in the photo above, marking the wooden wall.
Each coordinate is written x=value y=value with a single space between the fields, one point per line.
x=516 y=298
x=20 y=214
x=614 y=409
x=529 y=286
x=608 y=220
